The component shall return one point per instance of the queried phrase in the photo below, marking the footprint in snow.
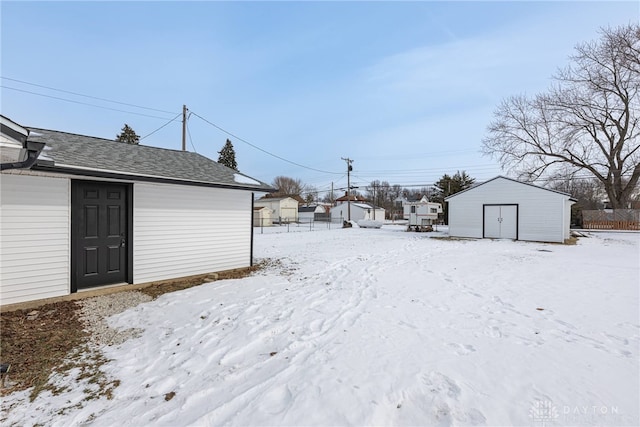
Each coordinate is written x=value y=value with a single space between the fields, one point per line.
x=462 y=349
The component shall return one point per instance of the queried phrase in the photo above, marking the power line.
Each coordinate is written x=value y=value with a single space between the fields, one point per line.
x=263 y=150
x=87 y=96
x=438 y=169
x=189 y=133
x=172 y=120
x=82 y=103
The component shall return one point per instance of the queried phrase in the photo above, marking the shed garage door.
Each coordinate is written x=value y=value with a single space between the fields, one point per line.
x=289 y=214
x=501 y=221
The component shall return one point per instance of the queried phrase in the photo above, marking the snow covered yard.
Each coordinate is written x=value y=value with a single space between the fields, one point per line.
x=384 y=327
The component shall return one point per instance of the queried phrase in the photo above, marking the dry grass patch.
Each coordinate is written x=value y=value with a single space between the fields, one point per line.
x=37 y=341
x=51 y=339
x=156 y=289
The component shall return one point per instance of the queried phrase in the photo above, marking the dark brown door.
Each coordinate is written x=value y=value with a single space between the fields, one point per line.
x=99 y=241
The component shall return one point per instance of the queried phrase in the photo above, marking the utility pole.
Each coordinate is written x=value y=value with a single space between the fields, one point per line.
x=184 y=128
x=349 y=169
x=333 y=199
x=374 y=201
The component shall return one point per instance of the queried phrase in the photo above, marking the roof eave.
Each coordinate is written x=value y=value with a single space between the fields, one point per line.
x=97 y=173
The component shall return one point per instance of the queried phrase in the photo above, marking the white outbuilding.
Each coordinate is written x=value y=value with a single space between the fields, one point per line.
x=357 y=211
x=504 y=208
x=283 y=209
x=80 y=212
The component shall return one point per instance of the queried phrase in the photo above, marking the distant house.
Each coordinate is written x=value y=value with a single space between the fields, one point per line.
x=503 y=208
x=284 y=209
x=350 y=197
x=91 y=212
x=308 y=213
x=420 y=211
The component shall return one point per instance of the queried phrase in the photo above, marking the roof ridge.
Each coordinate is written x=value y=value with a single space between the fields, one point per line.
x=95 y=156
x=34 y=129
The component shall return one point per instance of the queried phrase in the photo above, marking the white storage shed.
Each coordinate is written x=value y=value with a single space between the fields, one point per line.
x=504 y=208
x=359 y=210
x=283 y=209
x=307 y=214
x=92 y=212
x=262 y=217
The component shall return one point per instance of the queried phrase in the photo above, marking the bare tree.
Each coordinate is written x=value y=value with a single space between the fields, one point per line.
x=588 y=192
x=310 y=194
x=287 y=186
x=588 y=120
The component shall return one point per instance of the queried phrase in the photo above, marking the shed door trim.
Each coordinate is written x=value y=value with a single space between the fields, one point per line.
x=484 y=206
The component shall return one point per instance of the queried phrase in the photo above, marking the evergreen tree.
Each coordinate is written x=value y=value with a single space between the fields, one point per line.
x=228 y=156
x=128 y=135
x=448 y=185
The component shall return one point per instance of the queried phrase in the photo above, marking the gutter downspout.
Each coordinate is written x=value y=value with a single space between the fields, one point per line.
x=31 y=151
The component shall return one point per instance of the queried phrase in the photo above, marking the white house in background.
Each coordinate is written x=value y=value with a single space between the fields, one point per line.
x=262 y=217
x=359 y=210
x=503 y=208
x=283 y=209
x=308 y=213
x=420 y=211
x=98 y=212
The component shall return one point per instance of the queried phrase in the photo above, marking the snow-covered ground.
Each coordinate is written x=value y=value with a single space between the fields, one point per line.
x=384 y=327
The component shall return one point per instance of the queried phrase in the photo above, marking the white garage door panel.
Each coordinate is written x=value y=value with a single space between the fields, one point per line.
x=509 y=222
x=501 y=222
x=492 y=222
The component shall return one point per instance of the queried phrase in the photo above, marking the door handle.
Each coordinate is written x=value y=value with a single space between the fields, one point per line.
x=122 y=243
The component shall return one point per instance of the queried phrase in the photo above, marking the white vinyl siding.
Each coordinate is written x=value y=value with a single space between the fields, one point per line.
x=34 y=237
x=184 y=230
x=358 y=212
x=542 y=215
x=285 y=209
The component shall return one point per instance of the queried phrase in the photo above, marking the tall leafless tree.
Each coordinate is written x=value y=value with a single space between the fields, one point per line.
x=287 y=186
x=588 y=120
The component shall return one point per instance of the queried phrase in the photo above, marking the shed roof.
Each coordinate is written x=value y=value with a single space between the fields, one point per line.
x=91 y=156
x=352 y=197
x=366 y=206
x=513 y=180
x=274 y=199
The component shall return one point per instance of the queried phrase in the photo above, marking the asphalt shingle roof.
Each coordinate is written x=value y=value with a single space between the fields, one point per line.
x=79 y=152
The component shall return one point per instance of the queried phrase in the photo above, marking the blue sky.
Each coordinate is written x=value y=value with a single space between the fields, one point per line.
x=405 y=89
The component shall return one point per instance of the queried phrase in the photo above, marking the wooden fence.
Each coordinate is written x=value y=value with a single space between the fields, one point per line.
x=611 y=225
x=619 y=219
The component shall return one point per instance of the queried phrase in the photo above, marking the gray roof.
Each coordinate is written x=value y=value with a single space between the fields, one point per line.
x=87 y=155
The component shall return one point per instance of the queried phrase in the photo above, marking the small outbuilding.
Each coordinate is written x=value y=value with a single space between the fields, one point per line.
x=308 y=213
x=283 y=209
x=262 y=217
x=358 y=211
x=86 y=212
x=504 y=208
